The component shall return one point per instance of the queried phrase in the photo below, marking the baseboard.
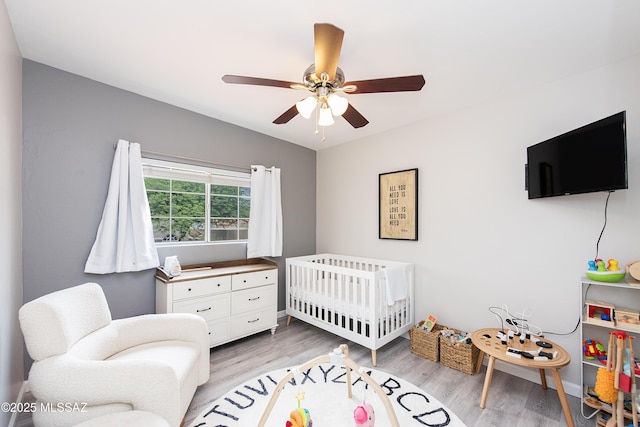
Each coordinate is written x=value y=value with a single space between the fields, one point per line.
x=24 y=388
x=533 y=375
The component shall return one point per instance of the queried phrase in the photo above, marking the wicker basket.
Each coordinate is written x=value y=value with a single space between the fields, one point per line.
x=426 y=344
x=460 y=356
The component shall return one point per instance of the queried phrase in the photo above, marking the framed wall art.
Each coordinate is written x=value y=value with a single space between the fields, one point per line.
x=398 y=205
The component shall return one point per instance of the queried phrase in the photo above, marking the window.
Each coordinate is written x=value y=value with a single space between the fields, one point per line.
x=197 y=204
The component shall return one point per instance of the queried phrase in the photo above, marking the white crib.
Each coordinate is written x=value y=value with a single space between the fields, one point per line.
x=347 y=296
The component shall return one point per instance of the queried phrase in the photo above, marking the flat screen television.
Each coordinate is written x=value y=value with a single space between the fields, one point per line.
x=589 y=159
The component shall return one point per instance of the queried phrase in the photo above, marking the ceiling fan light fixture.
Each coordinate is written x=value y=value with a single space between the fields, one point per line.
x=338 y=104
x=306 y=106
x=325 y=117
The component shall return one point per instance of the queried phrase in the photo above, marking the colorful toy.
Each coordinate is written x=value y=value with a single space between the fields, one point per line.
x=593 y=349
x=605 y=378
x=600 y=313
x=429 y=323
x=609 y=272
x=600 y=265
x=613 y=265
x=299 y=417
x=364 y=416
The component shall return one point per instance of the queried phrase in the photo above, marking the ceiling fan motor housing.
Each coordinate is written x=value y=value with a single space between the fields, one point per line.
x=312 y=81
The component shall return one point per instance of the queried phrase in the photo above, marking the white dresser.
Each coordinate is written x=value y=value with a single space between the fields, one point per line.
x=236 y=298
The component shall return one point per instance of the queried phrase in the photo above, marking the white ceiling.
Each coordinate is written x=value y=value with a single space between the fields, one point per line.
x=469 y=51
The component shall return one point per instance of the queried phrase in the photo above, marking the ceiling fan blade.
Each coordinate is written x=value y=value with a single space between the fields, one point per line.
x=327 y=46
x=256 y=81
x=354 y=117
x=390 y=84
x=286 y=116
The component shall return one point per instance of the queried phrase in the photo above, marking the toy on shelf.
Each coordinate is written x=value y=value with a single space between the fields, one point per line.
x=602 y=272
x=299 y=417
x=633 y=268
x=605 y=379
x=364 y=416
x=627 y=318
x=593 y=349
x=634 y=390
x=600 y=313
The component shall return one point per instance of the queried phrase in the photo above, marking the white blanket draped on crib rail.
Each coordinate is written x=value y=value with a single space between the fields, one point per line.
x=396 y=284
x=124 y=241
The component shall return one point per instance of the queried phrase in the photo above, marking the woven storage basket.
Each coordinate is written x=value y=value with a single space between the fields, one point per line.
x=426 y=344
x=460 y=356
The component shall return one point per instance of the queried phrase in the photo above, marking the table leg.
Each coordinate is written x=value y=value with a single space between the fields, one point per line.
x=487 y=381
x=543 y=379
x=479 y=363
x=563 y=397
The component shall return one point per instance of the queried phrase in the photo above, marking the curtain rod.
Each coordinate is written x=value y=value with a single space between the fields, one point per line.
x=162 y=156
x=192 y=160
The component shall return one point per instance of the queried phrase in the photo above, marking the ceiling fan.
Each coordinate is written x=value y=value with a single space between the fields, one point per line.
x=325 y=79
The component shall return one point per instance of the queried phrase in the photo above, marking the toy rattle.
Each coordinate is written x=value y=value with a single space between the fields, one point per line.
x=364 y=416
x=299 y=417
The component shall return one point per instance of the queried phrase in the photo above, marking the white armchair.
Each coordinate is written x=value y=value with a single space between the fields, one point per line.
x=86 y=364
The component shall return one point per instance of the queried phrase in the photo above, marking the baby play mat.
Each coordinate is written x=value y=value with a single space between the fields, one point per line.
x=325 y=397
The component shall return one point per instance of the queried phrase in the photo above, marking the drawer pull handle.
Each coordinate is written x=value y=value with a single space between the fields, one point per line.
x=253 y=321
x=204 y=309
x=245 y=280
x=189 y=289
x=254 y=299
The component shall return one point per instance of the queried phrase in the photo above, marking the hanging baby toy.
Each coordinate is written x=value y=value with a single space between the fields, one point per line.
x=364 y=416
x=299 y=417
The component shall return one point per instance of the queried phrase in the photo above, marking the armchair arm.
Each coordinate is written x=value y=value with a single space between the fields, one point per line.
x=146 y=385
x=160 y=327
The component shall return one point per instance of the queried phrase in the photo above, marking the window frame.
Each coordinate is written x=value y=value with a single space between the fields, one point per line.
x=209 y=175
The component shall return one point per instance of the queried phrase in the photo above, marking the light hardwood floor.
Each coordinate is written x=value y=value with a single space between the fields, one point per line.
x=512 y=401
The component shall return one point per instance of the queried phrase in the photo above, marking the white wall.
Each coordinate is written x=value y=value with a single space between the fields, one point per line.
x=11 y=370
x=481 y=242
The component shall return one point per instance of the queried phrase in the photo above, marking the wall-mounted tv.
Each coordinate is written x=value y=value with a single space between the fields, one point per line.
x=588 y=159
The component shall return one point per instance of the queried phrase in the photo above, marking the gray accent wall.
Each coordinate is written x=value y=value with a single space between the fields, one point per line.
x=11 y=345
x=71 y=125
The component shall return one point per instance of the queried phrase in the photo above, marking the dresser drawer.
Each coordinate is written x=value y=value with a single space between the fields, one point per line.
x=209 y=308
x=253 y=299
x=218 y=331
x=257 y=278
x=249 y=322
x=199 y=287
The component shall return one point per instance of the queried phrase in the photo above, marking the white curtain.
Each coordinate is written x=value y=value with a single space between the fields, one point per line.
x=124 y=241
x=265 y=218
